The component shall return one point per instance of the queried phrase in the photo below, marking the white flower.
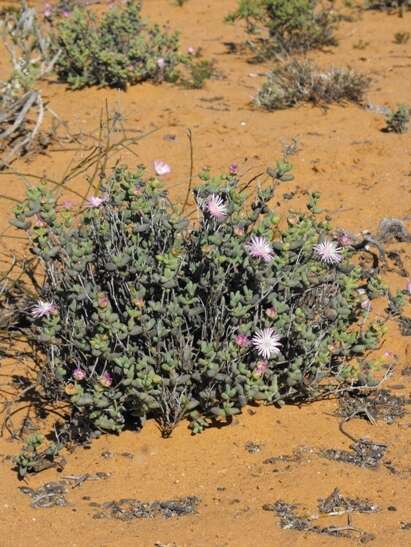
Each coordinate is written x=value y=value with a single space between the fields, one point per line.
x=259 y=247
x=96 y=201
x=161 y=168
x=43 y=309
x=266 y=342
x=215 y=206
x=328 y=252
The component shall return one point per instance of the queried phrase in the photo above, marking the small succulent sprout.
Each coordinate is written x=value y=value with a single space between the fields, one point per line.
x=259 y=247
x=161 y=168
x=79 y=374
x=267 y=343
x=43 y=309
x=328 y=251
x=242 y=340
x=215 y=207
x=106 y=379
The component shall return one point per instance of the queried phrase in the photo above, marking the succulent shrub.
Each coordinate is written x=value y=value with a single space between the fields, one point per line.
x=289 y=25
x=397 y=121
x=301 y=81
x=143 y=315
x=117 y=50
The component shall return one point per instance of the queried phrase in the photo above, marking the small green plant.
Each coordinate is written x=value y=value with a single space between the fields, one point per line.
x=289 y=25
x=199 y=71
x=361 y=44
x=142 y=315
x=117 y=51
x=301 y=81
x=401 y=37
x=397 y=121
x=33 y=460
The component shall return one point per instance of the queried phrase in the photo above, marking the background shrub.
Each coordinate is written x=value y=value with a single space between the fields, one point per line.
x=141 y=315
x=302 y=81
x=118 y=50
x=292 y=25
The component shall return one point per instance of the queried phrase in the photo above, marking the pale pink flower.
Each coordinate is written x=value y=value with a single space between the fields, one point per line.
x=261 y=367
x=65 y=13
x=106 y=379
x=271 y=313
x=266 y=342
x=259 y=247
x=161 y=168
x=242 y=340
x=233 y=169
x=215 y=206
x=408 y=286
x=328 y=251
x=161 y=63
x=191 y=50
x=68 y=204
x=96 y=201
x=366 y=305
x=79 y=374
x=43 y=309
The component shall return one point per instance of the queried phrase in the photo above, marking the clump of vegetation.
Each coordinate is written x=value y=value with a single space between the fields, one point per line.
x=22 y=108
x=401 y=37
x=289 y=25
x=301 y=81
x=117 y=51
x=142 y=315
x=388 y=5
x=199 y=71
x=397 y=121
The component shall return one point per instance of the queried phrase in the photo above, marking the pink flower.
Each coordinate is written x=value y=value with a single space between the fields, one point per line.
x=233 y=169
x=95 y=201
x=215 y=206
x=48 y=11
x=259 y=247
x=39 y=222
x=106 y=379
x=271 y=312
x=328 y=252
x=191 y=50
x=79 y=374
x=267 y=343
x=242 y=340
x=366 y=305
x=261 y=367
x=161 y=63
x=43 y=309
x=103 y=300
x=65 y=13
x=345 y=239
x=408 y=286
x=161 y=168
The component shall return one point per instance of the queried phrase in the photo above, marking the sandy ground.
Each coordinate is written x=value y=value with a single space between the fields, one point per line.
x=363 y=175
